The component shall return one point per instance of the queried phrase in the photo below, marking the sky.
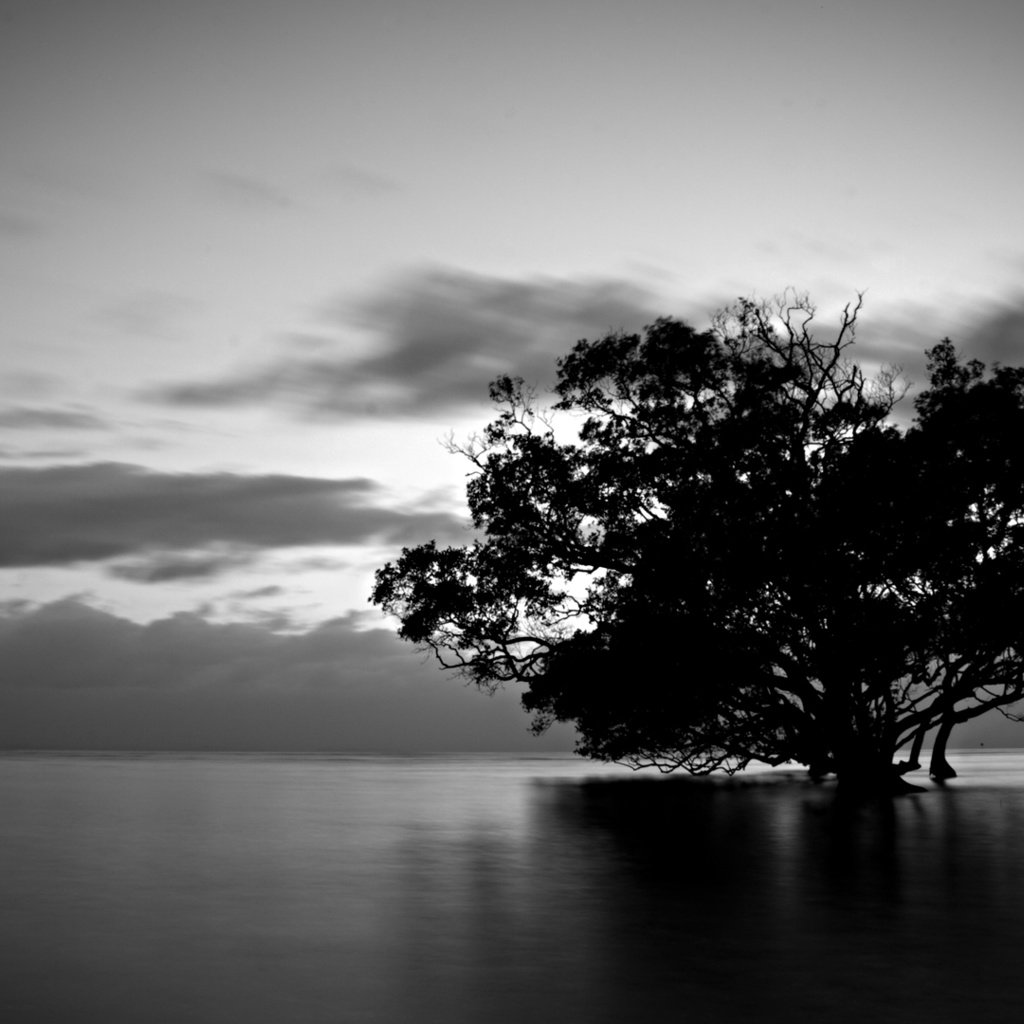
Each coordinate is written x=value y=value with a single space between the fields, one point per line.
x=260 y=258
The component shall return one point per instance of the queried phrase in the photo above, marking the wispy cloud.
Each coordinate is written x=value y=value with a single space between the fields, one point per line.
x=991 y=332
x=271 y=590
x=102 y=511
x=361 y=181
x=32 y=454
x=22 y=417
x=439 y=338
x=999 y=337
x=151 y=314
x=170 y=567
x=246 y=192
x=34 y=384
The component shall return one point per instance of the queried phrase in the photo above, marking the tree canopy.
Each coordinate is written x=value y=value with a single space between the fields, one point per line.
x=718 y=547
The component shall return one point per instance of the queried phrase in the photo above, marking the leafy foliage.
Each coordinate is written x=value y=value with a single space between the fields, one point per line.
x=734 y=555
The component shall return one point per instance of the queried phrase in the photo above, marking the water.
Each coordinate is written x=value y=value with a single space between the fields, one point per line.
x=252 y=888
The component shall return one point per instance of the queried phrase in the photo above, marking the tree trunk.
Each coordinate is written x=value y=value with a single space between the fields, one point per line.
x=912 y=763
x=940 y=769
x=867 y=774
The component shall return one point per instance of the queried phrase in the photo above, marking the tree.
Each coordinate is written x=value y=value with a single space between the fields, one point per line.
x=965 y=447
x=718 y=549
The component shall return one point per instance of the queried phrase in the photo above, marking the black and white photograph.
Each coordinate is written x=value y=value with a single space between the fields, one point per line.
x=511 y=512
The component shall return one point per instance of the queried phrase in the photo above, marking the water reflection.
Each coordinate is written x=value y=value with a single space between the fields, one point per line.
x=497 y=890
x=761 y=902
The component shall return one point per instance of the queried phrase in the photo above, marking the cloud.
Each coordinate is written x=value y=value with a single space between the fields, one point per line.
x=440 y=337
x=151 y=314
x=272 y=590
x=319 y=563
x=360 y=181
x=63 y=514
x=22 y=454
x=76 y=677
x=991 y=332
x=448 y=334
x=999 y=337
x=24 y=384
x=246 y=192
x=21 y=417
x=171 y=567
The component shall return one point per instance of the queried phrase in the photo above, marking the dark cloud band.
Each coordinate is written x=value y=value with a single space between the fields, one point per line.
x=76 y=677
x=94 y=512
x=31 y=418
x=440 y=338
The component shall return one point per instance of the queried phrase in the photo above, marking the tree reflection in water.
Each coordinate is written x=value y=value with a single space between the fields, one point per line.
x=765 y=902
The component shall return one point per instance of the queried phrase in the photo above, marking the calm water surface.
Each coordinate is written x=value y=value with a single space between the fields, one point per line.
x=259 y=888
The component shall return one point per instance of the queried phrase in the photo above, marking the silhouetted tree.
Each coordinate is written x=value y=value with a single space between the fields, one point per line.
x=966 y=449
x=717 y=549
